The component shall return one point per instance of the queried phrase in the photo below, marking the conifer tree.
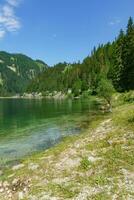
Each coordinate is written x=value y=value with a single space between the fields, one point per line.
x=127 y=77
x=116 y=71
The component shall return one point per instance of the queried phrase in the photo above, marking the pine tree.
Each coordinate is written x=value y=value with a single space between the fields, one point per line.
x=127 y=77
x=116 y=71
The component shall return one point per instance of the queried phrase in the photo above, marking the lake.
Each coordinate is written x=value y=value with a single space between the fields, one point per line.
x=32 y=125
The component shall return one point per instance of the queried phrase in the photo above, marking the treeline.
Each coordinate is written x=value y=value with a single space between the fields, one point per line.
x=113 y=61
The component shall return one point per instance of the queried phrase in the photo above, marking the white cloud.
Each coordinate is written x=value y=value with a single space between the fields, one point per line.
x=2 y=33
x=9 y=22
x=7 y=11
x=115 y=22
x=13 y=2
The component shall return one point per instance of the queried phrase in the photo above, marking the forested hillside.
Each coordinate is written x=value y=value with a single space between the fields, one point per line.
x=16 y=71
x=113 y=61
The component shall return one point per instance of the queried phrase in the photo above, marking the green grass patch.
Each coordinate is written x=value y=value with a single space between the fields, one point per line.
x=124 y=116
x=85 y=164
x=65 y=191
x=100 y=196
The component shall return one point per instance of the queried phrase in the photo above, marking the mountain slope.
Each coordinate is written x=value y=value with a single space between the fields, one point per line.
x=16 y=71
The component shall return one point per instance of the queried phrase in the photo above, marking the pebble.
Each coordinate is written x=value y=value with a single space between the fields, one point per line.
x=25 y=190
x=21 y=195
x=5 y=184
x=15 y=181
x=1 y=190
x=33 y=166
x=1 y=184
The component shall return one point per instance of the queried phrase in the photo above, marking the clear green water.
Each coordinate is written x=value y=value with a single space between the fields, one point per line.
x=27 y=126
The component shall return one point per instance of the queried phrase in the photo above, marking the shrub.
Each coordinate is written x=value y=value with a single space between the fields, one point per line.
x=105 y=90
x=128 y=97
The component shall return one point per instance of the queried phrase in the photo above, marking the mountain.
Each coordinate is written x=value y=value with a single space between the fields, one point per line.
x=17 y=71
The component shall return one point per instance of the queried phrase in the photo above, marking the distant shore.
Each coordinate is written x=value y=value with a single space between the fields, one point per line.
x=58 y=95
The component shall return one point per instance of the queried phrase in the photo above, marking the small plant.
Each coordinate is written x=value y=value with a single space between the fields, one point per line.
x=85 y=163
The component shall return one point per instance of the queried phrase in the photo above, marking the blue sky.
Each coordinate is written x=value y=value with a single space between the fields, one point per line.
x=60 y=30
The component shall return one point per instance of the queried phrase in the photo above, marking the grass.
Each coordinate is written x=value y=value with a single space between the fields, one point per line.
x=66 y=191
x=100 y=196
x=85 y=164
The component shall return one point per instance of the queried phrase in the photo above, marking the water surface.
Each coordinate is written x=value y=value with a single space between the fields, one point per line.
x=28 y=125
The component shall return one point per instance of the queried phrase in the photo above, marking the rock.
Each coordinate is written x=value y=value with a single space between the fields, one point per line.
x=15 y=184
x=15 y=181
x=6 y=189
x=16 y=167
x=93 y=159
x=21 y=195
x=8 y=192
x=14 y=189
x=10 y=195
x=1 y=184
x=33 y=166
x=5 y=184
x=25 y=190
x=1 y=190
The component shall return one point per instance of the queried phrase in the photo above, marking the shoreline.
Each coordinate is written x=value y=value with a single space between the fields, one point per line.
x=82 y=129
x=34 y=97
x=81 y=166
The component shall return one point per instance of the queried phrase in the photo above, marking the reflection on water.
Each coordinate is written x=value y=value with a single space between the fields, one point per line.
x=27 y=126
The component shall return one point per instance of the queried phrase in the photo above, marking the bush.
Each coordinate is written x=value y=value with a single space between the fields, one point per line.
x=105 y=90
x=85 y=94
x=128 y=97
